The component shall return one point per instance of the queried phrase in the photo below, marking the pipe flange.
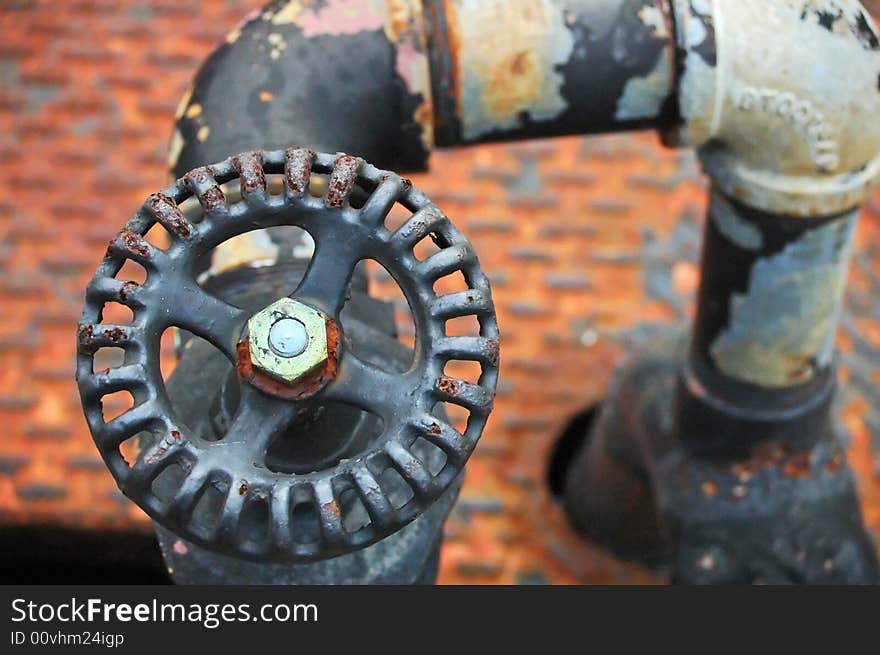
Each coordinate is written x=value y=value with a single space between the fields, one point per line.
x=409 y=403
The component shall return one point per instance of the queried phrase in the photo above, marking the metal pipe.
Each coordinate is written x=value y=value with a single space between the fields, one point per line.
x=536 y=68
x=792 y=145
x=340 y=75
x=771 y=294
x=791 y=134
x=781 y=101
x=734 y=446
x=355 y=75
x=761 y=364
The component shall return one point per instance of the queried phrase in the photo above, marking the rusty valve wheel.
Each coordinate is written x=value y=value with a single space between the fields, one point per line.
x=290 y=354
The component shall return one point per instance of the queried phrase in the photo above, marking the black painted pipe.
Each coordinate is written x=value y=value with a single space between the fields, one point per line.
x=388 y=80
x=337 y=76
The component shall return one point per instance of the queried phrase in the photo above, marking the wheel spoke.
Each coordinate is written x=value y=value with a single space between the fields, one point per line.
x=325 y=284
x=194 y=309
x=257 y=421
x=381 y=201
x=373 y=497
x=370 y=388
x=329 y=512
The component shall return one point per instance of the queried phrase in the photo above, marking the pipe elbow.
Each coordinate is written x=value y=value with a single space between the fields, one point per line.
x=340 y=75
x=782 y=101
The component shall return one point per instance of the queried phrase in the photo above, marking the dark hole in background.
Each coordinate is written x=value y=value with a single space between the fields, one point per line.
x=567 y=446
x=58 y=555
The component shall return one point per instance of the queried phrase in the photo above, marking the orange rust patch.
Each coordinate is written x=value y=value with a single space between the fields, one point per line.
x=127 y=289
x=512 y=85
x=332 y=508
x=116 y=335
x=342 y=180
x=132 y=242
x=834 y=464
x=448 y=386
x=453 y=39
x=167 y=211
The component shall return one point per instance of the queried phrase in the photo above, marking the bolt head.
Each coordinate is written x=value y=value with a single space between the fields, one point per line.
x=288 y=337
x=287 y=340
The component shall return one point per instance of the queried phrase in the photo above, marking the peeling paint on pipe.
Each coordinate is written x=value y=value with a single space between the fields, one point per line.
x=782 y=329
x=538 y=68
x=771 y=295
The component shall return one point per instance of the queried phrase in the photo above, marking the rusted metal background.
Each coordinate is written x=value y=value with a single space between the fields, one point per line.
x=587 y=242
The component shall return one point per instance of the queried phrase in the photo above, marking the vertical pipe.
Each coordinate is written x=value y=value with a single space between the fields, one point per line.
x=762 y=356
x=771 y=294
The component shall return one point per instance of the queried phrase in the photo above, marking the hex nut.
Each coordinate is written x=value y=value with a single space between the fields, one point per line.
x=264 y=358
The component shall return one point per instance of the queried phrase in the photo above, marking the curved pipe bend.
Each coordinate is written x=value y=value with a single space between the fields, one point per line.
x=339 y=75
x=782 y=100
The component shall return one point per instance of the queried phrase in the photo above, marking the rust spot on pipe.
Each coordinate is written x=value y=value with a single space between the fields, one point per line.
x=798 y=466
x=406 y=183
x=449 y=386
x=835 y=463
x=212 y=197
x=454 y=39
x=116 y=335
x=506 y=59
x=84 y=335
x=399 y=20
x=710 y=489
x=492 y=348
x=157 y=456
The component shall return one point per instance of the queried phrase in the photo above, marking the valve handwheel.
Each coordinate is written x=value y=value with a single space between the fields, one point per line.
x=292 y=353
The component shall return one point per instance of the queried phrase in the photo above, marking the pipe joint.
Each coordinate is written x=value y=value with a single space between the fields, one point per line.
x=782 y=101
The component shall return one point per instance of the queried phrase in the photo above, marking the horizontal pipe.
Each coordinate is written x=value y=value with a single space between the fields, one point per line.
x=780 y=102
x=505 y=70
